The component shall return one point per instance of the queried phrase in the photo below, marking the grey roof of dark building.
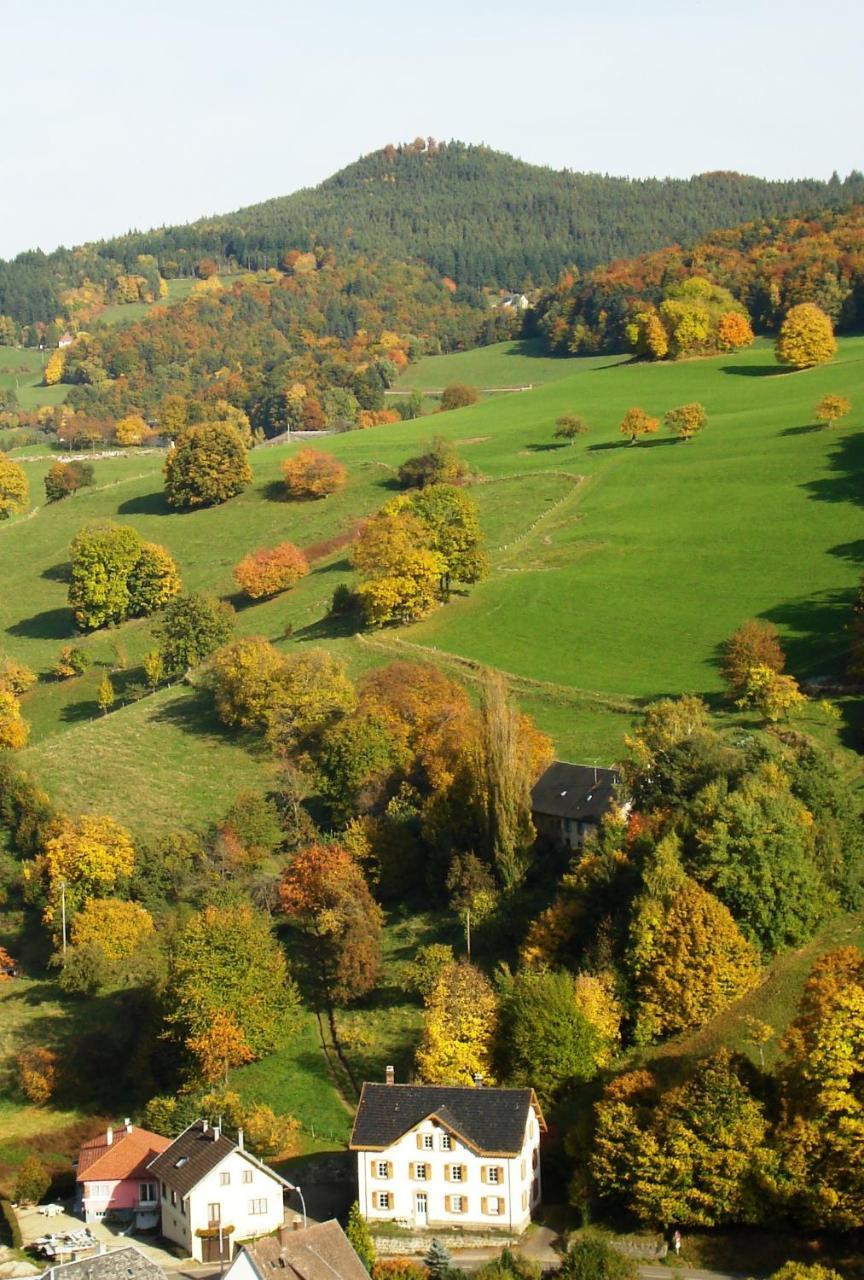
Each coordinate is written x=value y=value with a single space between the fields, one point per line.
x=128 y=1263
x=195 y=1153
x=580 y=792
x=322 y=1252
x=490 y=1121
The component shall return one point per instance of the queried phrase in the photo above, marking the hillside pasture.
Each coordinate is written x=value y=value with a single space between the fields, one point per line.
x=21 y=372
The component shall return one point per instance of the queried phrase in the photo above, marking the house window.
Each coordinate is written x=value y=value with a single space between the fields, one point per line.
x=455 y=1173
x=257 y=1207
x=524 y=1199
x=421 y=1172
x=164 y=1192
x=493 y=1206
x=492 y=1173
x=247 y=1175
x=446 y=1142
x=224 y=1179
x=214 y=1213
x=384 y=1199
x=428 y=1141
x=174 y=1197
x=382 y=1168
x=457 y=1204
x=522 y=1170
x=148 y=1192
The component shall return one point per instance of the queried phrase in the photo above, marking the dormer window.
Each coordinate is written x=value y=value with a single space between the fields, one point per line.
x=180 y=1163
x=446 y=1142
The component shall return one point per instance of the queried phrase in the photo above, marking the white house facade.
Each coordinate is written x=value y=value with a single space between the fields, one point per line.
x=213 y=1193
x=436 y=1156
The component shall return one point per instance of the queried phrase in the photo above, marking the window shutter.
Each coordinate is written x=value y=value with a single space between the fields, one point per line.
x=500 y=1205
x=500 y=1174
x=373 y=1168
x=464 y=1204
x=419 y=1141
x=484 y=1173
x=411 y=1173
x=447 y=1173
x=389 y=1169
x=447 y=1204
x=464 y=1173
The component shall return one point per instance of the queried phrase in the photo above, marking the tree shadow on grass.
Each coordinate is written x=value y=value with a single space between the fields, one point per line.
x=754 y=370
x=193 y=713
x=853 y=551
x=51 y=624
x=546 y=448
x=847 y=463
x=58 y=572
x=608 y=444
x=332 y=626
x=146 y=504
x=809 y=430
x=78 y=712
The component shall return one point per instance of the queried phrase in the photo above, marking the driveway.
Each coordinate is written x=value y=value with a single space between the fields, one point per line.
x=33 y=1224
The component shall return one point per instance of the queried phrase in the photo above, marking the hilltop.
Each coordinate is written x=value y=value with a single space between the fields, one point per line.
x=477 y=216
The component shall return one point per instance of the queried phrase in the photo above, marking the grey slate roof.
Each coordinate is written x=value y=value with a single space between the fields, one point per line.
x=322 y=1252
x=580 y=792
x=194 y=1154
x=491 y=1121
x=118 y=1264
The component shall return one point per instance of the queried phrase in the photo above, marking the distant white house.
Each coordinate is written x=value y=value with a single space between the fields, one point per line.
x=212 y=1192
x=65 y=340
x=436 y=1156
x=518 y=301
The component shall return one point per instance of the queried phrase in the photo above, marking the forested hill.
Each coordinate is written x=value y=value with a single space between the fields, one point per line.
x=473 y=214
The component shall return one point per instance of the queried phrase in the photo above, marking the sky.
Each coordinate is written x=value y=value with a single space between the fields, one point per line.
x=121 y=115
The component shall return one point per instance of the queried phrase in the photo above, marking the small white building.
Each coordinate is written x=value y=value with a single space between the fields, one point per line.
x=213 y=1193
x=441 y=1156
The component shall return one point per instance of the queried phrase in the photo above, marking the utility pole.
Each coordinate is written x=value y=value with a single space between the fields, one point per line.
x=63 y=911
x=468 y=931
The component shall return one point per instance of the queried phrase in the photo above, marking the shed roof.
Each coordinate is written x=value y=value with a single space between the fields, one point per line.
x=581 y=792
x=128 y=1263
x=320 y=1252
x=490 y=1121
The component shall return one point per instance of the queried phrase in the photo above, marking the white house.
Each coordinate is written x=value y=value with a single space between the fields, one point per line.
x=213 y=1193
x=570 y=800
x=436 y=1156
x=319 y=1252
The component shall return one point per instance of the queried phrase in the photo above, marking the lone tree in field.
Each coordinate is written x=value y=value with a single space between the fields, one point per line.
x=569 y=427
x=754 y=644
x=116 y=576
x=831 y=409
x=440 y=464
x=636 y=422
x=14 y=489
x=270 y=570
x=687 y=420
x=191 y=628
x=458 y=395
x=312 y=474
x=207 y=466
x=806 y=337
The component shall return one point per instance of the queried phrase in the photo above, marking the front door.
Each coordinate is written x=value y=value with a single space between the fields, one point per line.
x=211 y=1249
x=421 y=1209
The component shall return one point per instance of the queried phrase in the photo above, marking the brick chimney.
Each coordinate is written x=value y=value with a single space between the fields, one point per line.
x=129 y=1125
x=240 y=1139
x=217 y=1130
x=389 y=1076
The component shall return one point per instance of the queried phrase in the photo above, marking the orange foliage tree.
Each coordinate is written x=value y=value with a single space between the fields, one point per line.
x=312 y=474
x=636 y=422
x=270 y=570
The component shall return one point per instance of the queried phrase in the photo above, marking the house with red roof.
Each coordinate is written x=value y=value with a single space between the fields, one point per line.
x=113 y=1176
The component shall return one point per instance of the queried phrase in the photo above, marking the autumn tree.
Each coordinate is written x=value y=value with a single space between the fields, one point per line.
x=218 y=1048
x=774 y=696
x=548 y=1042
x=312 y=693
x=132 y=430
x=459 y=1029
x=687 y=420
x=356 y=761
x=687 y=958
x=14 y=489
x=806 y=337
x=14 y=730
x=115 y=926
x=440 y=464
x=65 y=478
x=243 y=678
x=311 y=473
x=89 y=855
x=228 y=962
x=754 y=644
x=360 y=1237
x=270 y=570
x=450 y=518
x=822 y=1132
x=400 y=573
x=115 y=575
x=191 y=628
x=106 y=696
x=70 y=662
x=569 y=427
x=831 y=409
x=324 y=890
x=31 y=1181
x=457 y=395
x=206 y=466
x=37 y=1073
x=636 y=422
x=53 y=371
x=734 y=331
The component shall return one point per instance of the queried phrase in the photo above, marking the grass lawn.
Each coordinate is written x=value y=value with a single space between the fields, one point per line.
x=21 y=372
x=505 y=364
x=126 y=312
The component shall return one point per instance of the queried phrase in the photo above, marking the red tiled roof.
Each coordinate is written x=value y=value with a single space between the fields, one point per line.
x=127 y=1156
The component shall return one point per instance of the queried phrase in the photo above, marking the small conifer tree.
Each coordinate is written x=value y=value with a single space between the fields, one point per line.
x=438 y=1261
x=360 y=1237
x=106 y=696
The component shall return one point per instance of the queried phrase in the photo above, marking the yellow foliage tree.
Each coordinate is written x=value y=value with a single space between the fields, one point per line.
x=806 y=337
x=686 y=420
x=772 y=694
x=116 y=927
x=53 y=371
x=243 y=679
x=688 y=958
x=218 y=1048
x=401 y=574
x=459 y=1028
x=15 y=677
x=734 y=331
x=132 y=430
x=595 y=998
x=314 y=690
x=14 y=729
x=14 y=489
x=831 y=409
x=636 y=422
x=90 y=854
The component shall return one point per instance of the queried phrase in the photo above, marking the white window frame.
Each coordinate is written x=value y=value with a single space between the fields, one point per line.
x=428 y=1142
x=248 y=1175
x=456 y=1173
x=446 y=1142
x=258 y=1207
x=381 y=1168
x=224 y=1178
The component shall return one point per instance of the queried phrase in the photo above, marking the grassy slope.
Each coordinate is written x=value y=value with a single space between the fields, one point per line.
x=616 y=571
x=506 y=364
x=21 y=371
x=126 y=312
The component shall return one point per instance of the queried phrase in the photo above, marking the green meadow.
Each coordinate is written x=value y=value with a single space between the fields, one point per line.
x=21 y=372
x=617 y=571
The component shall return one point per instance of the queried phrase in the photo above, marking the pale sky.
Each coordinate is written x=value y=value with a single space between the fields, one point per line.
x=122 y=114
